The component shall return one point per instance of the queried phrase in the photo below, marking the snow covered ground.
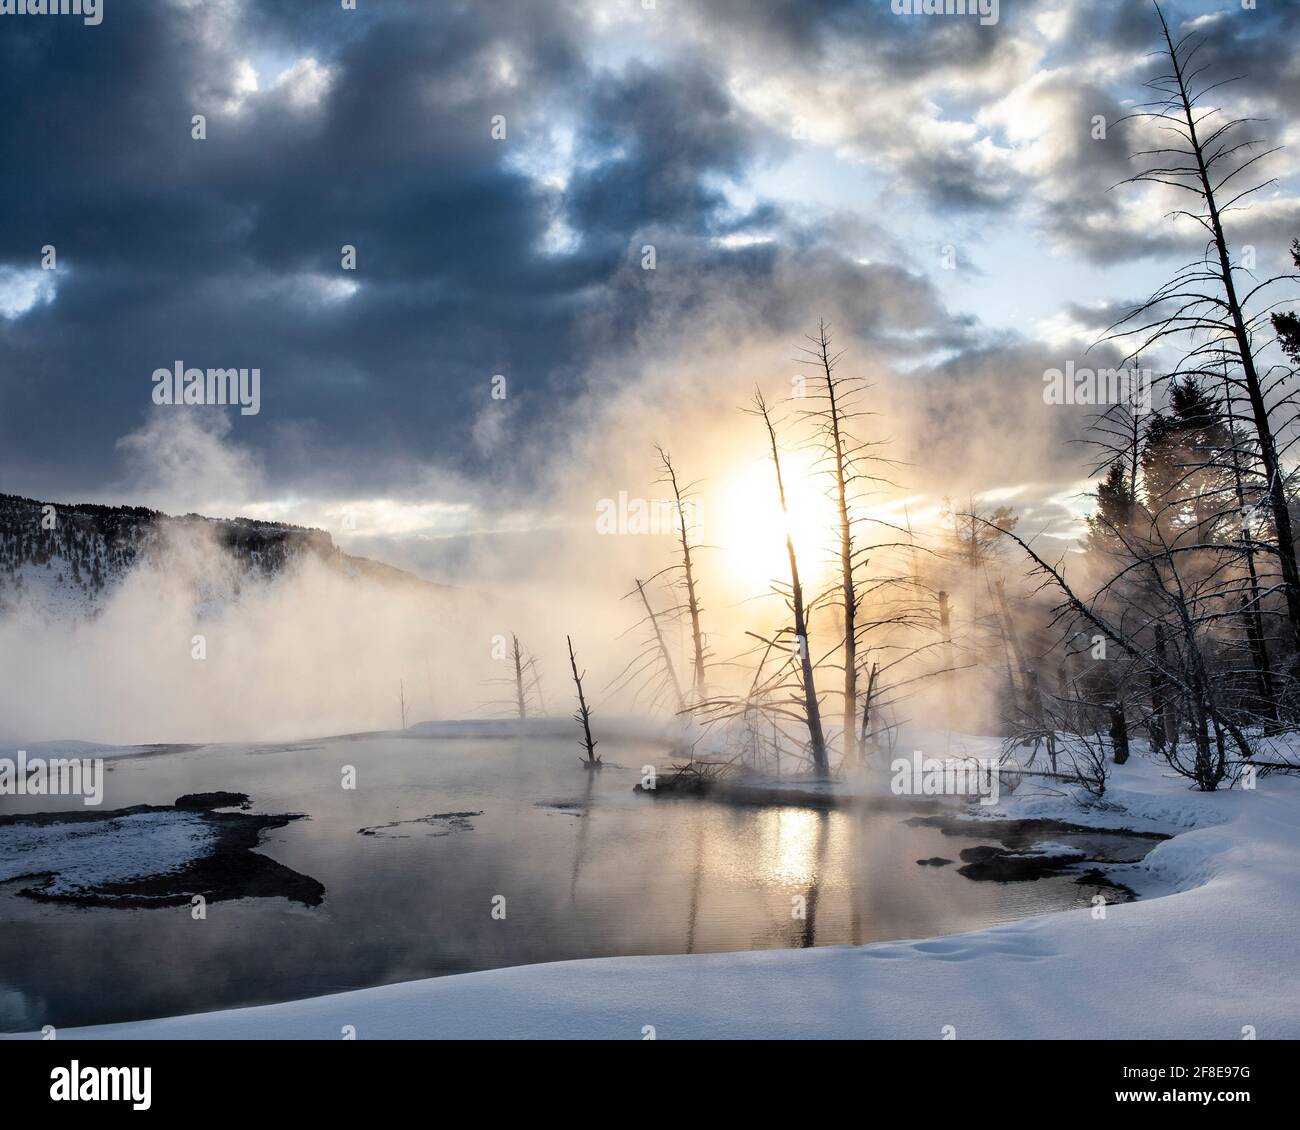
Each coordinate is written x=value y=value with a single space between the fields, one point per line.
x=70 y=748
x=1214 y=959
x=86 y=854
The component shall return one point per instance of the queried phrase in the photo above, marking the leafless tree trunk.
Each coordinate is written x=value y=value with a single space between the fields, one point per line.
x=839 y=468
x=1250 y=607
x=524 y=680
x=1118 y=733
x=520 y=704
x=1168 y=703
x=945 y=634
x=1191 y=166
x=866 y=706
x=688 y=567
x=1013 y=637
x=1156 y=729
x=1190 y=681
x=663 y=648
x=584 y=712
x=812 y=708
x=536 y=684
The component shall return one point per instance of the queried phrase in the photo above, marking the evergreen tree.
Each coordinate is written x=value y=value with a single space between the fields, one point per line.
x=1110 y=525
x=1286 y=323
x=1185 y=482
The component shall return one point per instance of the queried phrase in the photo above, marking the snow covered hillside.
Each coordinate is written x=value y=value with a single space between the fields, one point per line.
x=64 y=561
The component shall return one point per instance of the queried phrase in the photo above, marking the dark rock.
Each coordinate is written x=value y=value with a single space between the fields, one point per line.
x=209 y=801
x=437 y=823
x=231 y=869
x=1004 y=866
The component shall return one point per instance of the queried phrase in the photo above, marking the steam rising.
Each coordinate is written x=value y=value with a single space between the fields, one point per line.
x=318 y=651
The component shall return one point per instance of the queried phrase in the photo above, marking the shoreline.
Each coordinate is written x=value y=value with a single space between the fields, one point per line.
x=1204 y=952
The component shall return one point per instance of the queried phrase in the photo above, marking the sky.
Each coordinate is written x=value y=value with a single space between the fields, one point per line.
x=929 y=184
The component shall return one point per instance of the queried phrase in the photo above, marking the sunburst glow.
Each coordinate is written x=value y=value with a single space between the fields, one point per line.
x=752 y=529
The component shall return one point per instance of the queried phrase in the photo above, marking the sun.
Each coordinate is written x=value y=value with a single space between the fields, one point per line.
x=752 y=531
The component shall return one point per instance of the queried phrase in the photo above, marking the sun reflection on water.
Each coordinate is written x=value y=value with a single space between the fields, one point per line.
x=792 y=843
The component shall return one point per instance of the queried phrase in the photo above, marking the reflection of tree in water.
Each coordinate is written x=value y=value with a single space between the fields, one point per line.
x=857 y=853
x=580 y=850
x=697 y=876
x=809 y=937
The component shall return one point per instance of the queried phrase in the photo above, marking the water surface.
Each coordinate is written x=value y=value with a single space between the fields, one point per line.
x=582 y=865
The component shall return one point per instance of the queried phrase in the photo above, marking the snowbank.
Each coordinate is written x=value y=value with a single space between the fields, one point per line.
x=71 y=748
x=88 y=854
x=1212 y=960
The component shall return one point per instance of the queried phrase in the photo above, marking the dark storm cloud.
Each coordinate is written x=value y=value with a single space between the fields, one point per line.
x=661 y=134
x=475 y=256
x=166 y=242
x=772 y=289
x=209 y=251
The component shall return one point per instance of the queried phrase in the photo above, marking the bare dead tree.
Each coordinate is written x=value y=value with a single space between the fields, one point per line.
x=524 y=684
x=652 y=669
x=1044 y=727
x=1185 y=535
x=833 y=428
x=520 y=702
x=681 y=499
x=1005 y=630
x=669 y=670
x=866 y=705
x=855 y=469
x=1250 y=601
x=1183 y=670
x=945 y=626
x=812 y=708
x=1083 y=755
x=891 y=608
x=535 y=683
x=1202 y=302
x=1118 y=733
x=583 y=714
x=772 y=720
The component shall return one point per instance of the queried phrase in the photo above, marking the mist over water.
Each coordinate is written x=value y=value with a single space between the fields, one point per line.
x=316 y=651
x=587 y=868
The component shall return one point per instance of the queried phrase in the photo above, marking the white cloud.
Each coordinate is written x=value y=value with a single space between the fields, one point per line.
x=23 y=289
x=240 y=86
x=305 y=83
